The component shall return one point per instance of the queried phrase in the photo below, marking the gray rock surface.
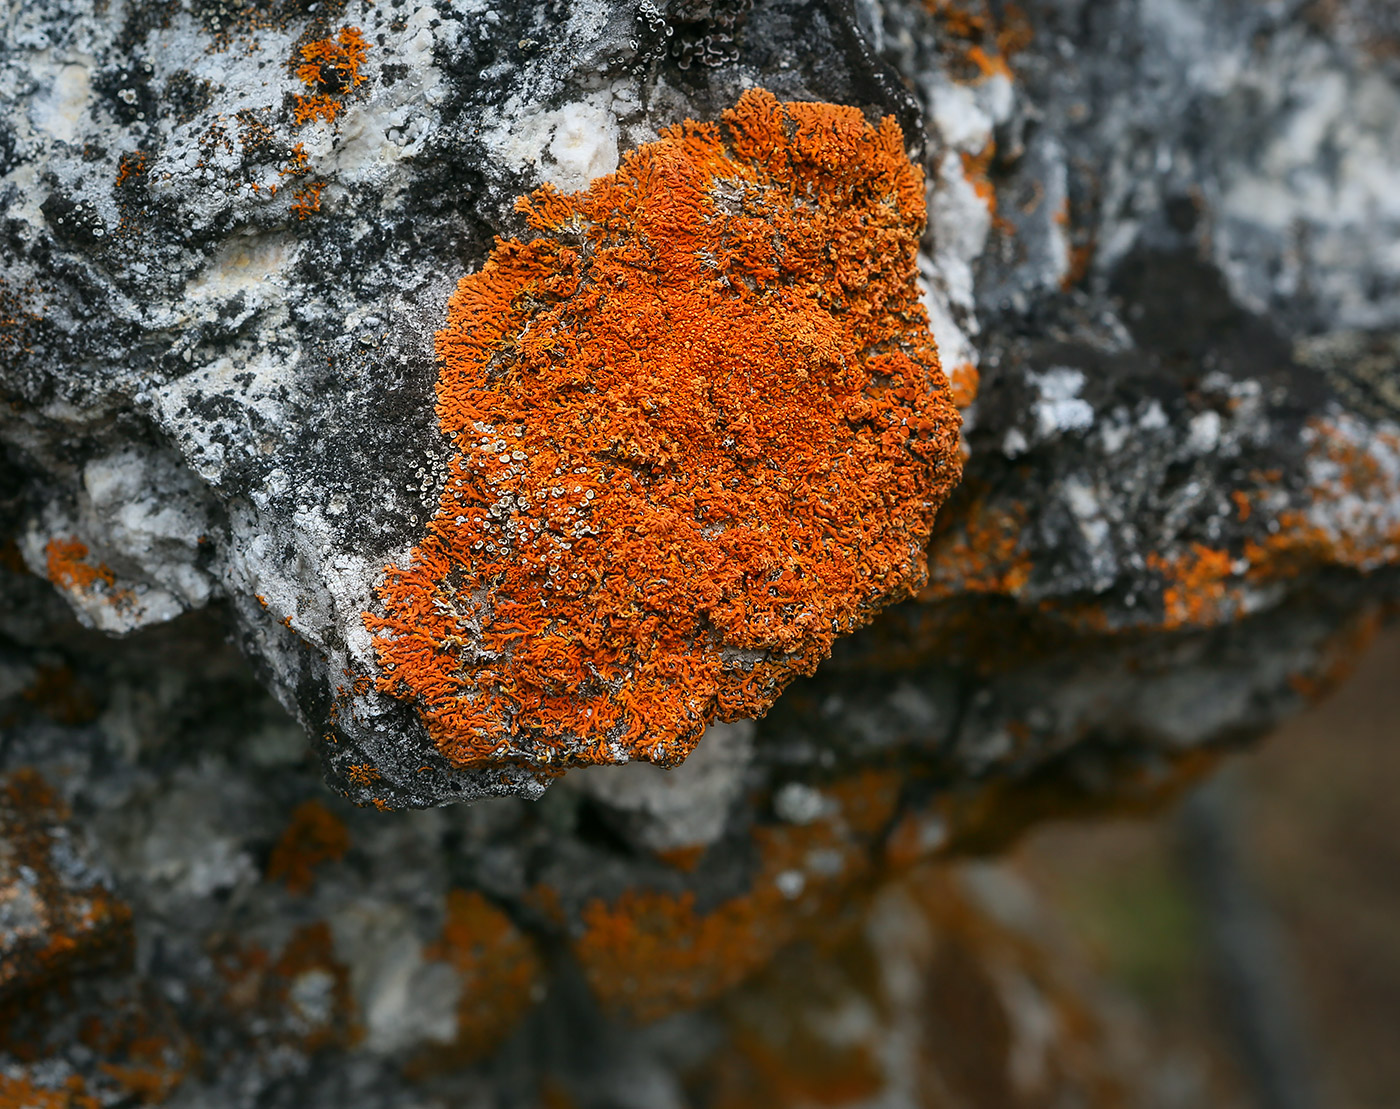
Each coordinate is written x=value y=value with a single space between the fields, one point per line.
x=1162 y=234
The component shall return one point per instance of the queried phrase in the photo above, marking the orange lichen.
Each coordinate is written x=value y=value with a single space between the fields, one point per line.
x=981 y=38
x=1348 y=516
x=317 y=107
x=307 y=201
x=271 y=991
x=75 y=927
x=981 y=553
x=311 y=951
x=1197 y=590
x=131 y=167
x=1339 y=654
x=701 y=431
x=362 y=774
x=683 y=858
x=296 y=162
x=68 y=567
x=1081 y=258
x=649 y=953
x=976 y=168
x=22 y=1093
x=331 y=66
x=499 y=970
x=150 y=1066
x=963 y=381
x=314 y=836
x=57 y=693
x=21 y=320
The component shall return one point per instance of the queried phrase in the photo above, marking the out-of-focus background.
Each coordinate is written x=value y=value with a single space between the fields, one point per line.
x=1314 y=814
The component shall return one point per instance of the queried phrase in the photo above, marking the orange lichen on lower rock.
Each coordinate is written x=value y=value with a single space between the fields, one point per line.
x=302 y=997
x=314 y=836
x=981 y=553
x=145 y=1060
x=60 y=926
x=22 y=1093
x=500 y=971
x=651 y=953
x=1198 y=589
x=701 y=430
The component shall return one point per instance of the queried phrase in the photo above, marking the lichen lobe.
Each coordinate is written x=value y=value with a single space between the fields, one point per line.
x=700 y=430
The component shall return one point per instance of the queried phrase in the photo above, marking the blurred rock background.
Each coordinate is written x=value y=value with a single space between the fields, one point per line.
x=1318 y=829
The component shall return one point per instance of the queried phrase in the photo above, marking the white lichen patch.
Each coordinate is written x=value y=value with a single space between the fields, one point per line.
x=59 y=113
x=404 y=997
x=566 y=147
x=254 y=266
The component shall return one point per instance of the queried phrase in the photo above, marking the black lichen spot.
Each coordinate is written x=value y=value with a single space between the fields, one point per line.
x=706 y=31
x=9 y=155
x=142 y=19
x=126 y=90
x=74 y=222
x=186 y=95
x=1183 y=213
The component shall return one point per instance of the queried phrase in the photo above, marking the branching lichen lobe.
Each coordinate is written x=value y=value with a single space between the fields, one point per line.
x=700 y=429
x=330 y=67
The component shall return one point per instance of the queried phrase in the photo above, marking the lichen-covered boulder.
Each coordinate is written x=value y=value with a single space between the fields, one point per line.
x=700 y=431
x=264 y=268
x=250 y=227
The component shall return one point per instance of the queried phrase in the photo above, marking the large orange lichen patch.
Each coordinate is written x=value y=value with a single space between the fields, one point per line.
x=700 y=430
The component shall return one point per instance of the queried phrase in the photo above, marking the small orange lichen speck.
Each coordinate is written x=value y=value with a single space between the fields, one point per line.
x=296 y=162
x=701 y=430
x=362 y=774
x=131 y=167
x=307 y=201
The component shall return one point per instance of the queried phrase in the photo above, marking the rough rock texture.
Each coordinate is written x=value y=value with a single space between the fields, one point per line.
x=1161 y=276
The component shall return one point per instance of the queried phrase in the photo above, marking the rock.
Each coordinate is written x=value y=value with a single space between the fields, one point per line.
x=1158 y=273
x=58 y=916
x=250 y=231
